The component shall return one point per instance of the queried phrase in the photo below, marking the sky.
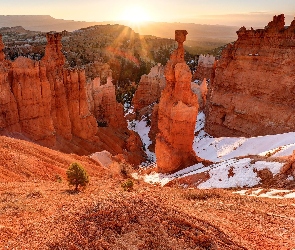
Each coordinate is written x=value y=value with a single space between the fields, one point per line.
x=196 y=11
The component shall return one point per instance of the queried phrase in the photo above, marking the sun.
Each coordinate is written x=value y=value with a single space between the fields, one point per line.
x=135 y=14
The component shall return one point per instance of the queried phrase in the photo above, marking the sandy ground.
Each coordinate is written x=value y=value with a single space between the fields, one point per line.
x=39 y=211
x=46 y=215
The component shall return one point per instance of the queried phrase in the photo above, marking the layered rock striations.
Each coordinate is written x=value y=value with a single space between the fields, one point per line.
x=103 y=104
x=48 y=104
x=149 y=88
x=253 y=91
x=177 y=112
x=201 y=91
x=205 y=67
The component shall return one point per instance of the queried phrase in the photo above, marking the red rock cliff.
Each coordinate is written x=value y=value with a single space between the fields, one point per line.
x=46 y=103
x=204 y=68
x=149 y=88
x=103 y=104
x=177 y=112
x=253 y=92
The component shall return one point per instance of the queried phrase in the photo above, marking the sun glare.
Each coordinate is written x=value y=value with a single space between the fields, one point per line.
x=135 y=14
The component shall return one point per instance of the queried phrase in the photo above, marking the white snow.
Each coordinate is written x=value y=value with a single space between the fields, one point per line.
x=237 y=173
x=200 y=122
x=163 y=179
x=143 y=130
x=285 y=150
x=224 y=148
x=268 y=193
x=232 y=165
x=290 y=195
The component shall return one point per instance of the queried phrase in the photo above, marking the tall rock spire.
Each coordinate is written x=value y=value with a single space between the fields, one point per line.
x=53 y=55
x=178 y=109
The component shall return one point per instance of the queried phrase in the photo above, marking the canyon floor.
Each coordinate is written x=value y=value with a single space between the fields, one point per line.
x=39 y=211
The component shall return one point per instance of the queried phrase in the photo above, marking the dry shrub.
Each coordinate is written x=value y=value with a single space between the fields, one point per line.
x=202 y=194
x=35 y=194
x=125 y=170
x=127 y=185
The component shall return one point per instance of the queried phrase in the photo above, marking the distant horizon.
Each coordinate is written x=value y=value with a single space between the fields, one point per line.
x=255 y=20
x=216 y=12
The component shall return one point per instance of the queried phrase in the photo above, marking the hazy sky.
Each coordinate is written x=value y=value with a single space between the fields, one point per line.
x=154 y=10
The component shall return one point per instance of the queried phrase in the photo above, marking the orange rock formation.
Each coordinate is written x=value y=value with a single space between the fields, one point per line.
x=253 y=90
x=149 y=88
x=46 y=103
x=177 y=112
x=205 y=67
x=103 y=104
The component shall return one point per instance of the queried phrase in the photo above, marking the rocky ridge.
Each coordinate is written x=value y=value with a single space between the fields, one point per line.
x=46 y=103
x=253 y=89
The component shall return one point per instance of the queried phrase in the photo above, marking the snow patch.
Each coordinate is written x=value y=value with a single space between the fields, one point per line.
x=227 y=170
x=224 y=148
x=163 y=179
x=232 y=173
x=265 y=193
x=143 y=130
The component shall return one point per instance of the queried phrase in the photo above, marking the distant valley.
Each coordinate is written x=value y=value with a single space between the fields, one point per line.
x=201 y=38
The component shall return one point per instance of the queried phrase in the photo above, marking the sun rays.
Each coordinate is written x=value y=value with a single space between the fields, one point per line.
x=135 y=14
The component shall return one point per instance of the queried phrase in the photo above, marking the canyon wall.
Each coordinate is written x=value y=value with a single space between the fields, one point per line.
x=44 y=102
x=205 y=67
x=149 y=88
x=253 y=91
x=177 y=112
x=103 y=104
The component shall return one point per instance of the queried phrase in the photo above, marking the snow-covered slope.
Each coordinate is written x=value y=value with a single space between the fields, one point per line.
x=233 y=164
x=143 y=130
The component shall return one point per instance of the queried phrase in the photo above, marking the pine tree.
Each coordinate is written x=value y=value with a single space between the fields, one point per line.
x=77 y=176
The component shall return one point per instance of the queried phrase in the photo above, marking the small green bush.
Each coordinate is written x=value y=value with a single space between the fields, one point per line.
x=77 y=176
x=127 y=185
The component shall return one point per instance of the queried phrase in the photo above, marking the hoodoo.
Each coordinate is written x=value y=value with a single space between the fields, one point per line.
x=149 y=88
x=177 y=112
x=253 y=91
x=44 y=102
x=205 y=67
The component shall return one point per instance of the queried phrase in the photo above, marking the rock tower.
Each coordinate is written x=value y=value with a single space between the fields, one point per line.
x=177 y=112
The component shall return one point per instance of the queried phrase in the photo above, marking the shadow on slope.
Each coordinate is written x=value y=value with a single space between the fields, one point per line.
x=141 y=222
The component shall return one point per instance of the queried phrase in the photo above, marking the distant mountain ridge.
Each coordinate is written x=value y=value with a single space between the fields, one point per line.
x=46 y=23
